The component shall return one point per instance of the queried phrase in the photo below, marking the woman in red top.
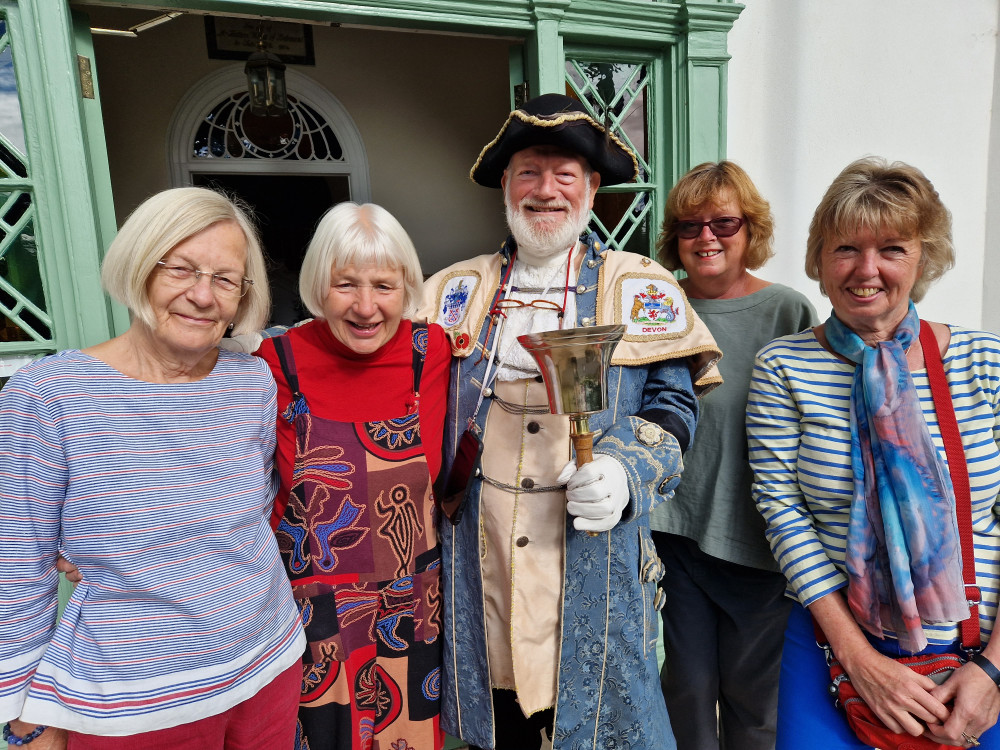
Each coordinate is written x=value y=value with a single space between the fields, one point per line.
x=361 y=399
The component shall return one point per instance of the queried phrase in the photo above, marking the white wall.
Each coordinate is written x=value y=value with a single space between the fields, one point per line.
x=815 y=84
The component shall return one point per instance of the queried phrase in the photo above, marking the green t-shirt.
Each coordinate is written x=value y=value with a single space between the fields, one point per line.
x=713 y=505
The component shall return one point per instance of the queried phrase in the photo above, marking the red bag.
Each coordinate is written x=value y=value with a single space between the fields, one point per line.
x=863 y=721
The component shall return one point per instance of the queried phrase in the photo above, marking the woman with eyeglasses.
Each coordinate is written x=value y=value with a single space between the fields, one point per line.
x=146 y=461
x=361 y=394
x=725 y=608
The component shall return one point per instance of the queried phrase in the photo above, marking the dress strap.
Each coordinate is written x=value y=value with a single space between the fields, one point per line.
x=283 y=348
x=298 y=405
x=420 y=342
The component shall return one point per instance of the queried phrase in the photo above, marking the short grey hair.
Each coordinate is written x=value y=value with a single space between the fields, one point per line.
x=161 y=223
x=352 y=234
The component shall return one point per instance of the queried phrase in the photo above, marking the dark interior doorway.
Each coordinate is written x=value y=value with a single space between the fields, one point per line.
x=287 y=208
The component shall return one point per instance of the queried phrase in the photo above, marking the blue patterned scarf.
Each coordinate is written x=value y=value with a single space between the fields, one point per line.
x=904 y=559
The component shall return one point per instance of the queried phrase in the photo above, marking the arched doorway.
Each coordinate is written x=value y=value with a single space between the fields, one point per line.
x=289 y=169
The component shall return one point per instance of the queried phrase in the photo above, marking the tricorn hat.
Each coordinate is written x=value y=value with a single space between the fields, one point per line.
x=556 y=120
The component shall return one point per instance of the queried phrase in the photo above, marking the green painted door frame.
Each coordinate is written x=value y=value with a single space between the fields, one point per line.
x=69 y=177
x=67 y=172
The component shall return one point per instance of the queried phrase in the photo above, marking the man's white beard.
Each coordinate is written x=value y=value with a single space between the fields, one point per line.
x=540 y=242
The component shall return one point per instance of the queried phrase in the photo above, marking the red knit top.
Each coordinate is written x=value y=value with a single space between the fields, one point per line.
x=341 y=385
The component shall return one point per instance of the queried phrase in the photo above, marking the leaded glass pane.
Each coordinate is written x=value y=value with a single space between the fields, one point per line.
x=231 y=131
x=623 y=220
x=617 y=95
x=22 y=297
x=12 y=160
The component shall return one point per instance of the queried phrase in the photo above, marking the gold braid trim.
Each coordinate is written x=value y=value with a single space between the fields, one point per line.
x=551 y=122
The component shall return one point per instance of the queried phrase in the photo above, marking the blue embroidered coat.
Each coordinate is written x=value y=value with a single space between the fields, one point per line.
x=608 y=689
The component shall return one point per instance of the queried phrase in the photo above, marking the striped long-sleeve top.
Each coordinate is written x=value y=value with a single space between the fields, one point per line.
x=160 y=494
x=799 y=433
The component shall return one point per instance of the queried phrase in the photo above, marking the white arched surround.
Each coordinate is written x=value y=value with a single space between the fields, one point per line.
x=208 y=92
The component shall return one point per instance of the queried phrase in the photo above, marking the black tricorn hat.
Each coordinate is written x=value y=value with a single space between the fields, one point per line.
x=556 y=120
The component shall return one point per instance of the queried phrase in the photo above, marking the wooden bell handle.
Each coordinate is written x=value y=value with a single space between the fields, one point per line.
x=583 y=444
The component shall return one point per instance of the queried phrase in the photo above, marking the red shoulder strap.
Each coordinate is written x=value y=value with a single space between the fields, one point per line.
x=959 y=478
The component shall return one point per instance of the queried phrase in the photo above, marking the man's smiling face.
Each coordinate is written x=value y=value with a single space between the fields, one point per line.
x=548 y=193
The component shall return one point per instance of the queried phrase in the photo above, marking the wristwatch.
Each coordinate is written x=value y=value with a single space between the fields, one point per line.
x=987 y=666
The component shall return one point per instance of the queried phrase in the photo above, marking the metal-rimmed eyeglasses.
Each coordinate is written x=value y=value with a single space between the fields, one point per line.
x=721 y=226
x=225 y=284
x=540 y=304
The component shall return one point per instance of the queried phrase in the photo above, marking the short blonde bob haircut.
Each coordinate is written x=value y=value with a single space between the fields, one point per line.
x=156 y=227
x=350 y=234
x=706 y=185
x=872 y=194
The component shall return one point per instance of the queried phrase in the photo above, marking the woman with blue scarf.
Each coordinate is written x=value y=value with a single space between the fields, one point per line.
x=851 y=477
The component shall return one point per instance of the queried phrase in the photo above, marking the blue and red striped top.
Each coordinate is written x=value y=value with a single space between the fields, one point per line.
x=160 y=494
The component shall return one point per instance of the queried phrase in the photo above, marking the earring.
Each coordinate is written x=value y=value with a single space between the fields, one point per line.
x=230 y=326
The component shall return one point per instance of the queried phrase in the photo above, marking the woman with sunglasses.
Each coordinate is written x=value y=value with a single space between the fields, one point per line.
x=725 y=606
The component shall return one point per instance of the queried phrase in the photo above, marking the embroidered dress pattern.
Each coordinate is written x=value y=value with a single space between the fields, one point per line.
x=359 y=543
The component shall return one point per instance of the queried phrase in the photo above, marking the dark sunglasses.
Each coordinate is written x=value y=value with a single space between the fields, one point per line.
x=723 y=226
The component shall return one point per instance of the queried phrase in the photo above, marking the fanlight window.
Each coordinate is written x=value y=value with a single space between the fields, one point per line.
x=231 y=131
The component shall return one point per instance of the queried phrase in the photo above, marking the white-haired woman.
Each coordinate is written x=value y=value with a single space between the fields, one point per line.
x=147 y=462
x=361 y=392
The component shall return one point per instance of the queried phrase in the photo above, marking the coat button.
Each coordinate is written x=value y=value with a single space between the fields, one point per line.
x=533 y=427
x=581 y=289
x=527 y=483
x=487 y=393
x=522 y=541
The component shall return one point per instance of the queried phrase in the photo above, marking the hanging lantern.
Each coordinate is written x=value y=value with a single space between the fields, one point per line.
x=266 y=83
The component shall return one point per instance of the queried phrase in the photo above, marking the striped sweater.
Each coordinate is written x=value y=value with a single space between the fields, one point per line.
x=799 y=433
x=160 y=494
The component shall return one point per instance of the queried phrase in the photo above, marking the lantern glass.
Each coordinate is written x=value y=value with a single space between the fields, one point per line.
x=266 y=84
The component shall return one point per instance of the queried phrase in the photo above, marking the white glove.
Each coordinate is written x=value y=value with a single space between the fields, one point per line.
x=596 y=493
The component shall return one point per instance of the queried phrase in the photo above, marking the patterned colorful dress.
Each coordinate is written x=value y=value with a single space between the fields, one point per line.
x=357 y=536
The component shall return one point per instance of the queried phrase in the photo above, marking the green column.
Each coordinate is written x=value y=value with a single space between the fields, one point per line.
x=544 y=48
x=704 y=59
